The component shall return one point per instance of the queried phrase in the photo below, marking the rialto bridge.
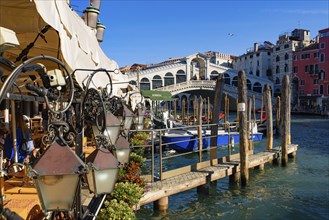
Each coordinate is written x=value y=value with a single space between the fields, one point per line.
x=195 y=75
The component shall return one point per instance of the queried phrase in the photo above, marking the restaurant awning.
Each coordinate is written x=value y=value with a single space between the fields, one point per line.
x=68 y=39
x=157 y=95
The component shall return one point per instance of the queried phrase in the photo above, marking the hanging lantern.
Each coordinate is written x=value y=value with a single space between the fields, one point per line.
x=139 y=118
x=122 y=150
x=100 y=31
x=103 y=171
x=91 y=16
x=56 y=176
x=125 y=115
x=112 y=130
x=96 y=3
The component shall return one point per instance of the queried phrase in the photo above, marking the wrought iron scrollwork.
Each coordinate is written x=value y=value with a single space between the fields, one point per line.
x=93 y=109
x=60 y=129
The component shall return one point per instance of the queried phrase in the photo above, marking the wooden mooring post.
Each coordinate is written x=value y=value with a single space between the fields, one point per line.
x=285 y=109
x=215 y=116
x=269 y=117
x=200 y=127
x=277 y=115
x=242 y=100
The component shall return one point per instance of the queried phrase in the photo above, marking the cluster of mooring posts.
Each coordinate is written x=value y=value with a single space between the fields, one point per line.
x=234 y=166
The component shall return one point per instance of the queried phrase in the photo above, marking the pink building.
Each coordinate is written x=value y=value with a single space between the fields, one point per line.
x=310 y=75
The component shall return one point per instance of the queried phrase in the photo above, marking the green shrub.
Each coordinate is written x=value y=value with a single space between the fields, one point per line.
x=127 y=192
x=139 y=139
x=114 y=210
x=137 y=159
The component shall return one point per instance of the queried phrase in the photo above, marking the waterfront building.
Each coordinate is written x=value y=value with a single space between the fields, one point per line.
x=310 y=74
x=256 y=61
x=283 y=52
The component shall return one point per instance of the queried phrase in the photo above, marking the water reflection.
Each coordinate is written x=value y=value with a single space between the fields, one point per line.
x=298 y=191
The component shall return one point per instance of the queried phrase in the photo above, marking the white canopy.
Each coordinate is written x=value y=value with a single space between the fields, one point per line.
x=75 y=42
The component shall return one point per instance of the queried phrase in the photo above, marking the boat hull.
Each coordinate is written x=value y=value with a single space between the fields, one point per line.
x=190 y=142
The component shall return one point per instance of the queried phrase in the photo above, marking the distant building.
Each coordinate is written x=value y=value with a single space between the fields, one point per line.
x=257 y=61
x=310 y=75
x=283 y=52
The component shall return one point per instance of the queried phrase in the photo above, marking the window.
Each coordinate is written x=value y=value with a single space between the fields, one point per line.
x=286 y=46
x=257 y=54
x=257 y=73
x=306 y=68
x=286 y=68
x=302 y=82
x=269 y=53
x=316 y=54
x=311 y=69
x=286 y=56
x=305 y=56
x=315 y=92
x=295 y=57
x=251 y=56
x=277 y=70
x=278 y=48
x=277 y=58
x=321 y=74
x=315 y=81
x=316 y=68
x=257 y=62
x=322 y=45
x=321 y=89
x=322 y=57
x=295 y=69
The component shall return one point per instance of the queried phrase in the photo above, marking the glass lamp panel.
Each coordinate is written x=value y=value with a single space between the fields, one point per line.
x=90 y=180
x=120 y=118
x=128 y=123
x=122 y=155
x=105 y=180
x=140 y=127
x=57 y=192
x=112 y=132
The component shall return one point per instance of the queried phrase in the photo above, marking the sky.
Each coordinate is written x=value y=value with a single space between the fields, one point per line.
x=153 y=31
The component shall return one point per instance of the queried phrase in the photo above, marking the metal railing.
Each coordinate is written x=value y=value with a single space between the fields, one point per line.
x=157 y=157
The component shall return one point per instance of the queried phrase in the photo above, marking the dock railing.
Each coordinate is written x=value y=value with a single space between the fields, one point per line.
x=158 y=165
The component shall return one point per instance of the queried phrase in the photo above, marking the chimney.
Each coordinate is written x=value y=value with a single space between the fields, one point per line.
x=255 y=47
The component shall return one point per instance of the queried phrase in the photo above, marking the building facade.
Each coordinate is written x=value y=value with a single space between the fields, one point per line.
x=257 y=61
x=310 y=75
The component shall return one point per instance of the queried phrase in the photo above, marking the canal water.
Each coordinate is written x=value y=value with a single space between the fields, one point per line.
x=298 y=191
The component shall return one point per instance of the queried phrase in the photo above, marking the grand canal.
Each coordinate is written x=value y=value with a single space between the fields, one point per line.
x=298 y=191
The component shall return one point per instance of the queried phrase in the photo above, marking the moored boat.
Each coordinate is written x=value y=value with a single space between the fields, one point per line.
x=187 y=140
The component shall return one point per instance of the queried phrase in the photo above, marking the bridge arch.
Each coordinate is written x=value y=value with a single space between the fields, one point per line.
x=169 y=79
x=156 y=82
x=145 y=84
x=180 y=76
x=214 y=75
x=198 y=68
x=257 y=87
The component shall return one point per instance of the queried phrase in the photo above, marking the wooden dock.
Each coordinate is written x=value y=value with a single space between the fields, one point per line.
x=203 y=173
